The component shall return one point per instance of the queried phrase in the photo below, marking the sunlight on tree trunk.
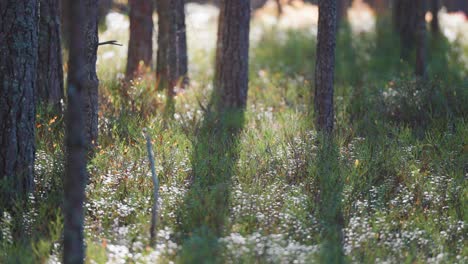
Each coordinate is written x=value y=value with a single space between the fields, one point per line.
x=232 y=55
x=140 y=46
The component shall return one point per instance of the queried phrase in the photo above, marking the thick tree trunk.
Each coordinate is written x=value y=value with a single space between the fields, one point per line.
x=325 y=65
x=18 y=64
x=49 y=68
x=232 y=55
x=435 y=6
x=420 y=36
x=90 y=94
x=140 y=46
x=74 y=181
x=171 y=68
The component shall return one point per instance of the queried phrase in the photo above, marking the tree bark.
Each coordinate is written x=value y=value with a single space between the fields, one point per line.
x=74 y=181
x=325 y=66
x=420 y=35
x=342 y=10
x=405 y=21
x=103 y=9
x=140 y=46
x=90 y=94
x=49 y=68
x=18 y=64
x=232 y=55
x=171 y=68
x=435 y=26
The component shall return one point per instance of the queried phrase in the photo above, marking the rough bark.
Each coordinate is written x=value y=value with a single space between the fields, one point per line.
x=18 y=62
x=232 y=55
x=171 y=68
x=90 y=94
x=140 y=46
x=435 y=6
x=74 y=181
x=420 y=36
x=49 y=68
x=325 y=66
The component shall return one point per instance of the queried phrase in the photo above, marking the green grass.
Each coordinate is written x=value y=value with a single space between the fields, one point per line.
x=262 y=186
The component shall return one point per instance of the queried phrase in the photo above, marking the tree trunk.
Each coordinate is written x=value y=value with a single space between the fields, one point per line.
x=49 y=69
x=325 y=65
x=232 y=55
x=342 y=10
x=171 y=68
x=420 y=36
x=18 y=64
x=405 y=20
x=140 y=46
x=90 y=94
x=103 y=9
x=435 y=6
x=74 y=181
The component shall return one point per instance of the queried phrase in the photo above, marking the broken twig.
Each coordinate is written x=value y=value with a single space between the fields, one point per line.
x=110 y=42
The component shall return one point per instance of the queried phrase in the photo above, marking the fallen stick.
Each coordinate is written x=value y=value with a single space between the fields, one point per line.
x=154 y=213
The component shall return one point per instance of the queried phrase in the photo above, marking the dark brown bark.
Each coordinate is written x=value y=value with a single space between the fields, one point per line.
x=140 y=46
x=405 y=21
x=171 y=68
x=342 y=10
x=325 y=66
x=90 y=94
x=18 y=62
x=379 y=6
x=103 y=9
x=456 y=5
x=420 y=36
x=232 y=55
x=435 y=6
x=74 y=181
x=49 y=68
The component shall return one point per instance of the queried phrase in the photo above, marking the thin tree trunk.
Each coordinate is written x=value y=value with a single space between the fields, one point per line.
x=18 y=64
x=405 y=20
x=435 y=6
x=342 y=10
x=325 y=65
x=103 y=9
x=232 y=55
x=74 y=181
x=90 y=94
x=420 y=38
x=171 y=68
x=49 y=69
x=140 y=46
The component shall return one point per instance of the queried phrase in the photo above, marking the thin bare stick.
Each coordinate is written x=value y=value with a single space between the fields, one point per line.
x=110 y=42
x=154 y=213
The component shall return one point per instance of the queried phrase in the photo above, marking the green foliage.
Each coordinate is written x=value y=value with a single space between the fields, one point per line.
x=261 y=186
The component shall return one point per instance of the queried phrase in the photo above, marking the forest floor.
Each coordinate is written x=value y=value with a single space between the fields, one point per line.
x=245 y=188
